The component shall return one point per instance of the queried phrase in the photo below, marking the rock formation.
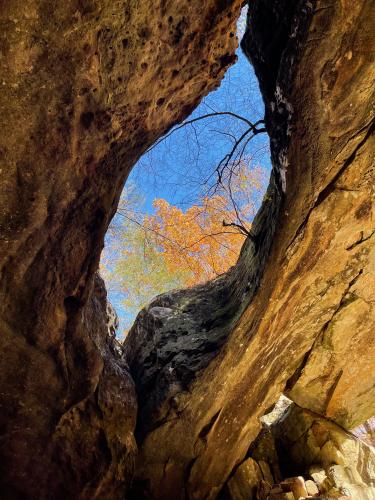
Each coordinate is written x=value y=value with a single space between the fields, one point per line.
x=301 y=454
x=297 y=312
x=86 y=87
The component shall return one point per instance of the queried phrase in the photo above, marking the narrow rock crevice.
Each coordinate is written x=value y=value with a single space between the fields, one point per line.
x=87 y=88
x=298 y=277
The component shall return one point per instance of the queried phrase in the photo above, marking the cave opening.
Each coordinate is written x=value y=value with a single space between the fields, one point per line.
x=176 y=408
x=202 y=184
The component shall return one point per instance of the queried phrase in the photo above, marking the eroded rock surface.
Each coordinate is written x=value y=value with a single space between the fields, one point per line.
x=93 y=443
x=85 y=87
x=68 y=448
x=301 y=301
x=302 y=455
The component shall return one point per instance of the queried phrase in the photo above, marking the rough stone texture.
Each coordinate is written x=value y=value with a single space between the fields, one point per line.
x=301 y=299
x=335 y=459
x=65 y=449
x=93 y=443
x=244 y=484
x=85 y=87
x=302 y=454
x=311 y=488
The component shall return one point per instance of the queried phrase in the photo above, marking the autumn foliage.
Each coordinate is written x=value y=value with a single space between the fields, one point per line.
x=175 y=248
x=195 y=240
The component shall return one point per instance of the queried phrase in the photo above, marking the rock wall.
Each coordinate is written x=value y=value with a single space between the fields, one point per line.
x=85 y=87
x=297 y=312
x=302 y=455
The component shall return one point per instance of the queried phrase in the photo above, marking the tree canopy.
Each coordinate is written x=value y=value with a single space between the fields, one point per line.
x=175 y=248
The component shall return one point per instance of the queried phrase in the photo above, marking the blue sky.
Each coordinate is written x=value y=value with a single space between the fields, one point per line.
x=177 y=168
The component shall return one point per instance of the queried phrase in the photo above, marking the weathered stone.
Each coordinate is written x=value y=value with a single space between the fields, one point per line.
x=346 y=481
x=279 y=495
x=296 y=485
x=337 y=461
x=86 y=87
x=301 y=297
x=263 y=450
x=93 y=438
x=310 y=445
x=278 y=411
x=244 y=484
x=277 y=489
x=311 y=488
x=320 y=477
x=263 y=490
x=266 y=471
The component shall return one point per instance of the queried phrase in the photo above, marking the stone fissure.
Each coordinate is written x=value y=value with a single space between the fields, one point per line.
x=206 y=362
x=291 y=330
x=319 y=341
x=362 y=239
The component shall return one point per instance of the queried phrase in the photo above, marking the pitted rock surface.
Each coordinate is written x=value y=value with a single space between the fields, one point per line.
x=86 y=86
x=304 y=326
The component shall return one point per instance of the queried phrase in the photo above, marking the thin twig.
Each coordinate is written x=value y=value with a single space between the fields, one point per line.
x=251 y=125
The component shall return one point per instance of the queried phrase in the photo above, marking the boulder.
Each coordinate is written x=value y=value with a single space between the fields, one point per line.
x=244 y=484
x=336 y=460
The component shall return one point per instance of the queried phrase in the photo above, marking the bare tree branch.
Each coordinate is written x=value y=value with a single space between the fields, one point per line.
x=242 y=229
x=252 y=126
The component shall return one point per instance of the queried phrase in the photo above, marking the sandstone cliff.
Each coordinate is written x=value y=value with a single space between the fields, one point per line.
x=86 y=87
x=297 y=313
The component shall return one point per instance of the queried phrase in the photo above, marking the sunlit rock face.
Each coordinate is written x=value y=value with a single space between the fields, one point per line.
x=299 y=306
x=86 y=87
x=304 y=455
x=321 y=450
